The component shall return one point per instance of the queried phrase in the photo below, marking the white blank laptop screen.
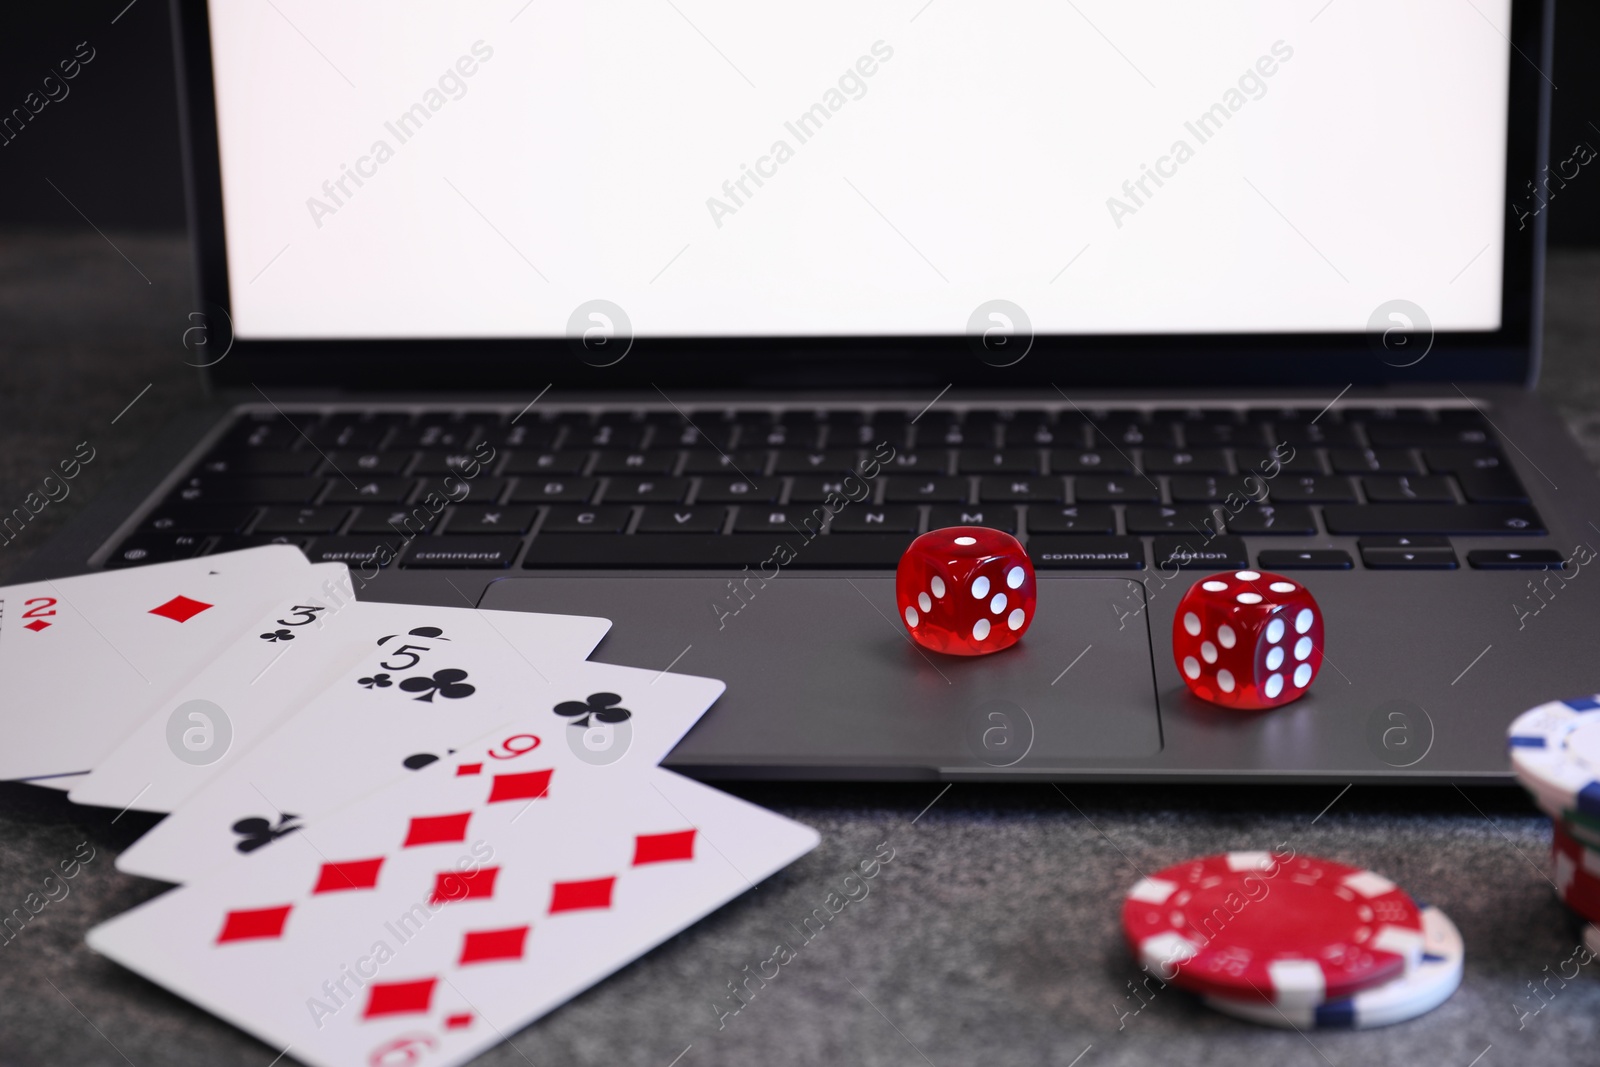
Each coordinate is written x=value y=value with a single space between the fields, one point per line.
x=394 y=169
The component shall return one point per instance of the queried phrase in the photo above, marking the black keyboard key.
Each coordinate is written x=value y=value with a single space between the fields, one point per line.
x=565 y=519
x=682 y=520
x=1427 y=435
x=1461 y=417
x=1216 y=553
x=864 y=518
x=733 y=553
x=200 y=518
x=1321 y=434
x=618 y=435
x=1310 y=489
x=481 y=552
x=1089 y=461
x=778 y=435
x=743 y=463
x=356 y=552
x=716 y=436
x=918 y=462
x=1492 y=486
x=1282 y=458
x=1135 y=435
x=1288 y=520
x=1212 y=488
x=364 y=464
x=1087 y=489
x=214 y=490
x=1409 y=559
x=458 y=489
x=1086 y=553
x=491 y=519
x=1515 y=559
x=775 y=519
x=543 y=463
x=1413 y=541
x=155 y=548
x=999 y=461
x=1371 y=461
x=259 y=464
x=1170 y=518
x=303 y=521
x=524 y=433
x=345 y=434
x=1466 y=519
x=1408 y=489
x=1184 y=461
x=470 y=462
x=647 y=490
x=738 y=491
x=276 y=434
x=815 y=490
x=647 y=462
x=954 y=435
x=1224 y=435
x=413 y=521
x=553 y=490
x=995 y=488
x=369 y=490
x=1456 y=460
x=445 y=435
x=1077 y=519
x=995 y=516
x=935 y=489
x=1304 y=559
x=815 y=461
x=1040 y=433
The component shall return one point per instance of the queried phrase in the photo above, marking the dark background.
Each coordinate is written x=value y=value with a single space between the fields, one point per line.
x=112 y=144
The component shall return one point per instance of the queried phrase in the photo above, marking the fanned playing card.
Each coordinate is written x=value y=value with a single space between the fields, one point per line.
x=431 y=920
x=293 y=653
x=83 y=659
x=431 y=680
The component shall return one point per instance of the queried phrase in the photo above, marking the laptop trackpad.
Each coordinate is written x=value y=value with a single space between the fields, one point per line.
x=821 y=673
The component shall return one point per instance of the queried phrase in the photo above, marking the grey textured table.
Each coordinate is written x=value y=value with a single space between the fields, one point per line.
x=992 y=936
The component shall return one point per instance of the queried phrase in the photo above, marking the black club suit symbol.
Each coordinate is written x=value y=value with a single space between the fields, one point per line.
x=375 y=681
x=256 y=831
x=602 y=707
x=449 y=683
x=278 y=635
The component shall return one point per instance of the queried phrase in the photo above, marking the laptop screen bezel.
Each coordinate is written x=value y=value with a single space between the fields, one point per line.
x=1509 y=354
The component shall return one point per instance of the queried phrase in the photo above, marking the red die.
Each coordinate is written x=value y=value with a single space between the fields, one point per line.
x=1248 y=639
x=965 y=590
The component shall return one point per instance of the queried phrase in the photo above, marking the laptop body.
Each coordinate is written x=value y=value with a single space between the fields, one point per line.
x=1246 y=351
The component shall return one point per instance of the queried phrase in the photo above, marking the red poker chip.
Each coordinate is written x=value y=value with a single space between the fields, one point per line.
x=1575 y=868
x=1294 y=931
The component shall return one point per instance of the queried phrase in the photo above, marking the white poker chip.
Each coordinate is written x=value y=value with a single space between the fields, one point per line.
x=1555 y=752
x=1417 y=992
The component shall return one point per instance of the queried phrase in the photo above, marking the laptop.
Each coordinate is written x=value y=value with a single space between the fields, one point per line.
x=694 y=316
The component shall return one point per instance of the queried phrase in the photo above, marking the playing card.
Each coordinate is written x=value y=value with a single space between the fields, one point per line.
x=433 y=919
x=431 y=680
x=83 y=659
x=292 y=654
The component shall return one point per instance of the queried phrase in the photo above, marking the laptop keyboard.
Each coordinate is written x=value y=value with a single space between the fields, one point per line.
x=842 y=488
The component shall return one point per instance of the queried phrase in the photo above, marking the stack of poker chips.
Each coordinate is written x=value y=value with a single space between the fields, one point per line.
x=1293 y=941
x=1555 y=753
